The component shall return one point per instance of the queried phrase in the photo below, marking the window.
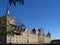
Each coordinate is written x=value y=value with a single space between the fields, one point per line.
x=22 y=37
x=16 y=40
x=19 y=40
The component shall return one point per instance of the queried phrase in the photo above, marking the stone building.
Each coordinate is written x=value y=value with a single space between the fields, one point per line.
x=11 y=33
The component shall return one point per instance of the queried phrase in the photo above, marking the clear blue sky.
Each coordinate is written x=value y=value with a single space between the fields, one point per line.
x=37 y=13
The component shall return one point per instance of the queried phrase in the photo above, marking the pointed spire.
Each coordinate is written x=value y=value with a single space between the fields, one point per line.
x=48 y=34
x=34 y=30
x=7 y=11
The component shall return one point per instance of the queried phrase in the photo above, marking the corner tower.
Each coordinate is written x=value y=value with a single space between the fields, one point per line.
x=9 y=20
x=5 y=25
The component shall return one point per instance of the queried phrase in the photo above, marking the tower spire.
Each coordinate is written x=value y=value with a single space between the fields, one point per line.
x=7 y=11
x=48 y=34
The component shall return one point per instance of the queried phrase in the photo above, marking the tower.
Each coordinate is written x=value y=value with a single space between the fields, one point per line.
x=48 y=34
x=35 y=31
x=5 y=25
x=41 y=32
x=48 y=37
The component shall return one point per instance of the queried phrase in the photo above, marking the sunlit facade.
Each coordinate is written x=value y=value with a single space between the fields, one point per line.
x=10 y=33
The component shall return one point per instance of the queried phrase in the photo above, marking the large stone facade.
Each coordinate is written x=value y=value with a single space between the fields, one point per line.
x=10 y=33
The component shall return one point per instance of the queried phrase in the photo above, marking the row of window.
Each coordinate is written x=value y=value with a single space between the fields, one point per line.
x=9 y=40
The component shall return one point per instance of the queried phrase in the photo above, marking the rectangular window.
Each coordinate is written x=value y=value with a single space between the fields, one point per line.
x=16 y=40
x=19 y=40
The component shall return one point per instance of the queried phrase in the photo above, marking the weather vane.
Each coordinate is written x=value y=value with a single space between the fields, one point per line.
x=15 y=1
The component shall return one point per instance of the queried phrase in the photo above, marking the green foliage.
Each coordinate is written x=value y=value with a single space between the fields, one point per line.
x=10 y=33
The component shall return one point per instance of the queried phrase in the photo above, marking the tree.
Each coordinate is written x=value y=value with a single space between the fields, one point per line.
x=15 y=1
